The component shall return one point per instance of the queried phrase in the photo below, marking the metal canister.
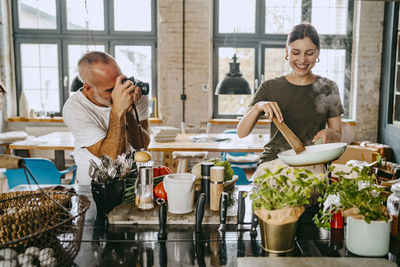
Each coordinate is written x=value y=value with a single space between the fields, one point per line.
x=145 y=188
x=393 y=206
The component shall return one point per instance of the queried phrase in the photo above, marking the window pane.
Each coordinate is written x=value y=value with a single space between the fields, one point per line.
x=275 y=64
x=39 y=14
x=330 y=17
x=136 y=61
x=236 y=104
x=332 y=65
x=39 y=65
x=132 y=15
x=85 y=15
x=237 y=16
x=75 y=52
x=281 y=16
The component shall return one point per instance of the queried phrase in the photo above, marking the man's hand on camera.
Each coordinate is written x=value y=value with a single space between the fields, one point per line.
x=137 y=94
x=122 y=95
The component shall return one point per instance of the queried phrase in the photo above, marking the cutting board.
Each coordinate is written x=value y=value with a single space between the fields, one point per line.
x=127 y=213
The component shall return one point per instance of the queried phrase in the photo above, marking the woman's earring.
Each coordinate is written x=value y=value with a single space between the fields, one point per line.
x=286 y=57
x=317 y=60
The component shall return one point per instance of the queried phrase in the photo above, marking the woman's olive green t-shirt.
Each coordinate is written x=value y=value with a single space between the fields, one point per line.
x=305 y=109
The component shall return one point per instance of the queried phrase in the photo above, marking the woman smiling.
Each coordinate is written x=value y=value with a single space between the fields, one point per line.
x=309 y=104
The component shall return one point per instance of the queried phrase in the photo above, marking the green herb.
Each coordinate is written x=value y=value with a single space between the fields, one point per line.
x=275 y=190
x=228 y=171
x=367 y=199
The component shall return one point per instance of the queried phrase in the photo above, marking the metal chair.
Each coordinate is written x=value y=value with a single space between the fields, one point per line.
x=44 y=171
x=242 y=179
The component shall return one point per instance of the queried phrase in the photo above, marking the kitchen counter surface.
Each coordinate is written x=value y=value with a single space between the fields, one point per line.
x=105 y=244
x=137 y=245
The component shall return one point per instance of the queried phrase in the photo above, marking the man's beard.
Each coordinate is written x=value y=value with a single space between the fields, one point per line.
x=101 y=100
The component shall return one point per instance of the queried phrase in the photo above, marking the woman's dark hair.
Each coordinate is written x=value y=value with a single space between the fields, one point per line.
x=301 y=31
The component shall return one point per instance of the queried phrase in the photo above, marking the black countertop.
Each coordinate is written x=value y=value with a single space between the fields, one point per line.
x=138 y=245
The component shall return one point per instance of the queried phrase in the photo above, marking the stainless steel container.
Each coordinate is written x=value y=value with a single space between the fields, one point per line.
x=144 y=188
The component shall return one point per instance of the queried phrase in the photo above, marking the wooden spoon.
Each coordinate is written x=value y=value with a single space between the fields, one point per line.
x=290 y=137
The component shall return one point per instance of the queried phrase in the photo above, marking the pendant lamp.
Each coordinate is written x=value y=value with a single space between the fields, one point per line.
x=233 y=83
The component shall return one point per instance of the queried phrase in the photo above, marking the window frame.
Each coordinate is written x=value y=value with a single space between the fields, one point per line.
x=261 y=40
x=63 y=37
x=388 y=132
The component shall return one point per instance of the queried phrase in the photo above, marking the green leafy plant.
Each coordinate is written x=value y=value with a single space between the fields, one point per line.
x=275 y=190
x=360 y=194
x=228 y=171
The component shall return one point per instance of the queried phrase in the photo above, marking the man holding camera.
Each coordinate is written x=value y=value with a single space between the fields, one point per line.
x=100 y=114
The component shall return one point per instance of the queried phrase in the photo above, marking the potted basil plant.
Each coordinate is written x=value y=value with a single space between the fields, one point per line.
x=361 y=202
x=278 y=200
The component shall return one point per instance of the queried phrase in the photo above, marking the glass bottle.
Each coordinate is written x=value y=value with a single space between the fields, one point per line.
x=393 y=206
x=145 y=188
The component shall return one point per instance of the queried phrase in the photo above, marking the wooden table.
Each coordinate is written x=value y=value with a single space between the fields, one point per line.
x=183 y=142
x=57 y=141
x=61 y=141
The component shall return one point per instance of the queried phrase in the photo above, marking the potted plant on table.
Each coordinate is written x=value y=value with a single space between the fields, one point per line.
x=361 y=202
x=278 y=200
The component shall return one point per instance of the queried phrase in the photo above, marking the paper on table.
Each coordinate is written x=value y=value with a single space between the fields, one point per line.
x=204 y=138
x=30 y=142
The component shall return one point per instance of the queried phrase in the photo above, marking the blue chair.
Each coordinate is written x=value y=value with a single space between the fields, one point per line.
x=44 y=171
x=242 y=180
x=243 y=165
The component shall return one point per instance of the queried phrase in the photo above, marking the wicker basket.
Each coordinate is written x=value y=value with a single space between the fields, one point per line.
x=34 y=219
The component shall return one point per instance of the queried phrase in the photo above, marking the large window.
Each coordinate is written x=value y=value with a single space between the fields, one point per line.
x=51 y=35
x=256 y=31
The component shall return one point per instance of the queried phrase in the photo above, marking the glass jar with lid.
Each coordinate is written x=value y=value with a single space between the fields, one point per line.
x=144 y=188
x=393 y=206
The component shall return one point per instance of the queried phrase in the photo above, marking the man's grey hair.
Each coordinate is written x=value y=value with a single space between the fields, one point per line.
x=91 y=58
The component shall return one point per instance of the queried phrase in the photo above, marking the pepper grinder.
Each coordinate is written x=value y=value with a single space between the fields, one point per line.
x=205 y=180
x=145 y=188
x=216 y=186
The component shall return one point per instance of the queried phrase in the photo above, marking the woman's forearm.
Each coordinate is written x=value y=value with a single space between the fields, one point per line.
x=247 y=123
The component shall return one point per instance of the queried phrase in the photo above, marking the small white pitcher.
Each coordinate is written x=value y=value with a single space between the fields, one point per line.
x=180 y=192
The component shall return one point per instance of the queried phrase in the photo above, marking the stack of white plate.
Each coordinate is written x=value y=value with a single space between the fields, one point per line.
x=164 y=133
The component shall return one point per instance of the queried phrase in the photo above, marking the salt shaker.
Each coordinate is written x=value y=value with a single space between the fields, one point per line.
x=393 y=206
x=145 y=188
x=216 y=186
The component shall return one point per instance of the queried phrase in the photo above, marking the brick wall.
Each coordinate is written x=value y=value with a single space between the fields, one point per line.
x=367 y=51
x=198 y=58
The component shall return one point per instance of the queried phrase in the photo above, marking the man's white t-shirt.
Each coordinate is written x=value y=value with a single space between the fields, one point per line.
x=89 y=124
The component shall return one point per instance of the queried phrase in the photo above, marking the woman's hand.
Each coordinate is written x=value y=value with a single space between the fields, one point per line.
x=271 y=109
x=328 y=135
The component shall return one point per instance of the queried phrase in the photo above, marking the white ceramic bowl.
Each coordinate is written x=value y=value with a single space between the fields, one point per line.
x=315 y=154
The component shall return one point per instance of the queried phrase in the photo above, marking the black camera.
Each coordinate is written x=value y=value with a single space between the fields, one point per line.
x=144 y=87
